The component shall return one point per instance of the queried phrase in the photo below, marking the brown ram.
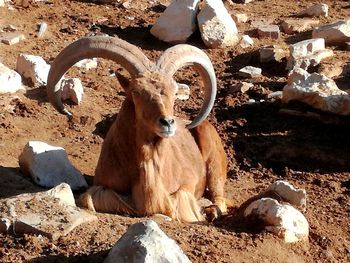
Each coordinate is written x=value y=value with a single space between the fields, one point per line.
x=151 y=162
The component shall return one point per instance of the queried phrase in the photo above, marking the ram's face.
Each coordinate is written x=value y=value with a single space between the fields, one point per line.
x=154 y=97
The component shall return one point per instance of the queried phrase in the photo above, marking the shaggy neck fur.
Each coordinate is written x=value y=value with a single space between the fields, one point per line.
x=151 y=195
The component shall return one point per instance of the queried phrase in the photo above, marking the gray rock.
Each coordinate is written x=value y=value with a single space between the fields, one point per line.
x=334 y=33
x=52 y=213
x=49 y=166
x=146 y=242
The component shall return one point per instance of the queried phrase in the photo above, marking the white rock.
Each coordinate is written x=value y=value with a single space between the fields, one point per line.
x=146 y=242
x=51 y=213
x=307 y=53
x=309 y=60
x=87 y=63
x=317 y=91
x=183 y=91
x=250 y=72
x=297 y=25
x=334 y=33
x=316 y=10
x=72 y=89
x=281 y=219
x=49 y=166
x=216 y=25
x=11 y=38
x=271 y=53
x=268 y=31
x=241 y=87
x=42 y=27
x=276 y=95
x=240 y=18
x=178 y=21
x=10 y=80
x=33 y=68
x=246 y=41
x=307 y=47
x=296 y=197
x=63 y=192
x=2 y=3
x=5 y=225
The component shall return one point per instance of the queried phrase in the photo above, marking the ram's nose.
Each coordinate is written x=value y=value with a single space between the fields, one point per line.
x=167 y=122
x=167 y=127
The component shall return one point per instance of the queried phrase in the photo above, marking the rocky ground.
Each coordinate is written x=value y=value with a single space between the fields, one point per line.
x=262 y=144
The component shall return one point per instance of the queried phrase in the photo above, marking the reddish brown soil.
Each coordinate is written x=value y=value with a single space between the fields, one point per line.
x=262 y=145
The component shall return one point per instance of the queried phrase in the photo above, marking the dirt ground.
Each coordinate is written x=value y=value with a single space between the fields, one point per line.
x=262 y=144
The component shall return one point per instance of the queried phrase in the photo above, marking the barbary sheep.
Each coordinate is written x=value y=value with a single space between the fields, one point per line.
x=151 y=162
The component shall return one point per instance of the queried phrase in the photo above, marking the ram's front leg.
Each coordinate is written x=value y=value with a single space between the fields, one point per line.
x=186 y=206
x=100 y=199
x=151 y=200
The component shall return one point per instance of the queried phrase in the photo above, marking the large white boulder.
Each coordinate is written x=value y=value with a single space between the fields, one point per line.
x=217 y=27
x=49 y=166
x=145 y=242
x=281 y=219
x=33 y=68
x=177 y=23
x=10 y=80
x=317 y=91
x=334 y=33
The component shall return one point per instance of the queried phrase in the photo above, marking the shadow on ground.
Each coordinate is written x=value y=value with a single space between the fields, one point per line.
x=93 y=258
x=261 y=135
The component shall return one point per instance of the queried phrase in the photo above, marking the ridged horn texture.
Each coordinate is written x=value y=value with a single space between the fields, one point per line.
x=183 y=55
x=115 y=49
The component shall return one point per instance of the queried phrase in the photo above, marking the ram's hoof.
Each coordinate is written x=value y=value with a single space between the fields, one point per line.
x=212 y=213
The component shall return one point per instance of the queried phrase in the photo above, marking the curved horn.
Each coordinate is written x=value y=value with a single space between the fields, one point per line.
x=115 y=49
x=182 y=55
